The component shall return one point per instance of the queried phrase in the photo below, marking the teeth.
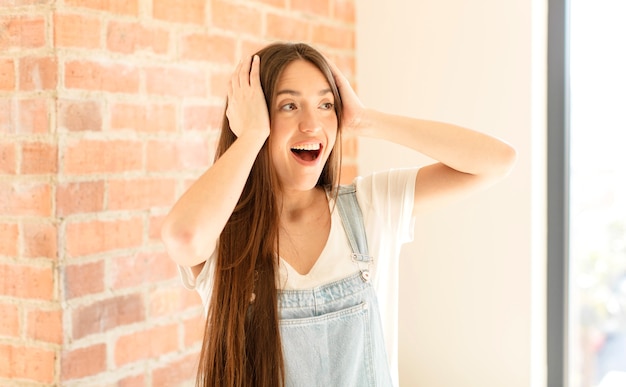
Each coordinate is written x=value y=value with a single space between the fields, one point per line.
x=307 y=147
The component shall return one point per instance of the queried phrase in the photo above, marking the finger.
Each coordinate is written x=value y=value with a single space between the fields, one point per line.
x=255 y=78
x=244 y=72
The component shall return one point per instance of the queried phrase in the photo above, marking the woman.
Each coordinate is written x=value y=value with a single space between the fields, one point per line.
x=289 y=265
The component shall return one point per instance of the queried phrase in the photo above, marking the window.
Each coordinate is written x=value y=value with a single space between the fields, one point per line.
x=587 y=194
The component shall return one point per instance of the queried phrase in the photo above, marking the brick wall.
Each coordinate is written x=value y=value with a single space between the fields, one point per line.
x=108 y=110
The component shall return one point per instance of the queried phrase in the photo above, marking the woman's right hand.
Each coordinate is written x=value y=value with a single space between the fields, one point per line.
x=246 y=108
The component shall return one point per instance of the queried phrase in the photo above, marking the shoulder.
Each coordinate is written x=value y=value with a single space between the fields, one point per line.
x=386 y=185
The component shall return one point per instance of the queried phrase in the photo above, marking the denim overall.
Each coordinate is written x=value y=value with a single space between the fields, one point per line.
x=332 y=335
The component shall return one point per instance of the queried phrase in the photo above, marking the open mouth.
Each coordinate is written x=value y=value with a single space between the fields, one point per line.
x=307 y=152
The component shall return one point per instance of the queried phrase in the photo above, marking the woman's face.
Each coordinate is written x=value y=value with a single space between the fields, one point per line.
x=303 y=125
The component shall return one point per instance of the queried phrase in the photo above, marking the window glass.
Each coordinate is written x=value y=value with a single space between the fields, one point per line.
x=597 y=315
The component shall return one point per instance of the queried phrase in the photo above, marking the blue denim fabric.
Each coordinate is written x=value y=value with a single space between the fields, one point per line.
x=332 y=335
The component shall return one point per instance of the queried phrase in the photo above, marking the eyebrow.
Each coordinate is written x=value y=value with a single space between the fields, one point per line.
x=297 y=93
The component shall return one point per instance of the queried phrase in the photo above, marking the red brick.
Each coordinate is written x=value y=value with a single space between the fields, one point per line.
x=154 y=230
x=22 y=32
x=249 y=47
x=177 y=155
x=33 y=116
x=7 y=75
x=92 y=156
x=142 y=268
x=132 y=381
x=82 y=362
x=176 y=373
x=40 y=240
x=81 y=280
x=343 y=10
x=27 y=281
x=219 y=83
x=45 y=325
x=144 y=117
x=187 y=183
x=318 y=7
x=25 y=199
x=203 y=118
x=166 y=301
x=106 y=76
x=333 y=36
x=38 y=158
x=97 y=236
x=189 y=11
x=274 y=3
x=133 y=37
x=191 y=300
x=9 y=320
x=141 y=194
x=28 y=363
x=8 y=239
x=147 y=344
x=209 y=47
x=236 y=17
x=75 y=30
x=38 y=73
x=19 y=3
x=7 y=112
x=80 y=197
x=8 y=160
x=82 y=115
x=122 y=7
x=179 y=82
x=102 y=316
x=193 y=329
x=287 y=28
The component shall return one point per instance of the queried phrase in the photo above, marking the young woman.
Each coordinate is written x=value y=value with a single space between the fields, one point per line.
x=290 y=266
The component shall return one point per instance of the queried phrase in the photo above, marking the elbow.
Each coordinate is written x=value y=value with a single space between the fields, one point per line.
x=177 y=243
x=185 y=245
x=502 y=163
x=507 y=160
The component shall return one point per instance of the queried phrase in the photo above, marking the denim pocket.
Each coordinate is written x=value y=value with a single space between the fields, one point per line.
x=332 y=349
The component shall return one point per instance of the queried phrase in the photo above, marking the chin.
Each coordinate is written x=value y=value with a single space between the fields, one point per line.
x=303 y=184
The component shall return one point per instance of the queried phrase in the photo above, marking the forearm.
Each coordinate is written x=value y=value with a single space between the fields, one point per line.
x=191 y=229
x=459 y=148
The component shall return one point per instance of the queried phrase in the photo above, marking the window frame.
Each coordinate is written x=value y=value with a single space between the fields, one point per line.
x=558 y=160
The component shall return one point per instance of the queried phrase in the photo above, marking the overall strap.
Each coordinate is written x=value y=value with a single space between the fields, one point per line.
x=352 y=220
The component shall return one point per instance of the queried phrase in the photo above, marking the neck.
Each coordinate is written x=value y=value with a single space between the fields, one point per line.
x=296 y=203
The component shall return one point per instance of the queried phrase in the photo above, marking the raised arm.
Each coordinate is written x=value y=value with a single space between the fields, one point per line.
x=192 y=227
x=467 y=160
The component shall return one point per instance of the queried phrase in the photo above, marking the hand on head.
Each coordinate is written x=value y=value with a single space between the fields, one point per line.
x=352 y=106
x=246 y=109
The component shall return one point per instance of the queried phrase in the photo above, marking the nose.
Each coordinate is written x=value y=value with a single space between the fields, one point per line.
x=308 y=121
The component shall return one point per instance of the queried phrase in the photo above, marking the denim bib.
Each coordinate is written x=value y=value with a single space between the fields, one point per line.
x=332 y=334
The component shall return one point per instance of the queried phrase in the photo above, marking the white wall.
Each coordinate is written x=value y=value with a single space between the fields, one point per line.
x=472 y=282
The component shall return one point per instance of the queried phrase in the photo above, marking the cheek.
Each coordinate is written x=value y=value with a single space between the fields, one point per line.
x=331 y=124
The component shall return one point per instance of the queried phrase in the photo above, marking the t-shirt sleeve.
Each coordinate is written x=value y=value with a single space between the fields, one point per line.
x=203 y=283
x=389 y=197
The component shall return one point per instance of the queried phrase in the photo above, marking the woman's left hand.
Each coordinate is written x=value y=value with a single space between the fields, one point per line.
x=353 y=108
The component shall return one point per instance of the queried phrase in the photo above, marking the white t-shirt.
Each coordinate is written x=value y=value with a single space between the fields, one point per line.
x=386 y=200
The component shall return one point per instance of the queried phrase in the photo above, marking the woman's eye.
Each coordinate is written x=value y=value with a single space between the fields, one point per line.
x=327 y=106
x=288 y=107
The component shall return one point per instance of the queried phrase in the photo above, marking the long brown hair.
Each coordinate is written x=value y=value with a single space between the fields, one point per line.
x=241 y=346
